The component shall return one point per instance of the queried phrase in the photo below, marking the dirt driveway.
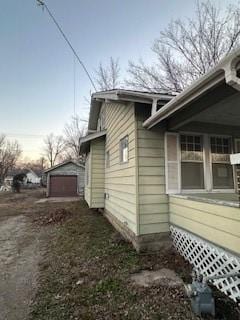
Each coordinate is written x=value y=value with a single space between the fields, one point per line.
x=20 y=252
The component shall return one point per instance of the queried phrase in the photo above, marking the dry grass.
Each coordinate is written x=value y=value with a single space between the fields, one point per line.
x=86 y=275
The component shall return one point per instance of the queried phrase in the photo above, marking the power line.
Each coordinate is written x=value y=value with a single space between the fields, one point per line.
x=43 y=5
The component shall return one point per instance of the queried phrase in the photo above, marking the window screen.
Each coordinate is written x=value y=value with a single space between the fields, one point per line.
x=192 y=172
x=222 y=171
x=124 y=149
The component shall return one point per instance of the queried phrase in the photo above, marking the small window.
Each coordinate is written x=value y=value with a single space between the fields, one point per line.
x=107 y=159
x=124 y=149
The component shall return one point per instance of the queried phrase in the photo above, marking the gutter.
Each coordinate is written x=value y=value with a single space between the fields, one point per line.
x=225 y=70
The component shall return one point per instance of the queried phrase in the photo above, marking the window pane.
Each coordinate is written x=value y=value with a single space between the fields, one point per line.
x=191 y=148
x=220 y=145
x=192 y=175
x=124 y=149
x=222 y=176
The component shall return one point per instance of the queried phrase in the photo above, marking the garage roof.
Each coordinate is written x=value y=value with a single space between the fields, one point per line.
x=63 y=164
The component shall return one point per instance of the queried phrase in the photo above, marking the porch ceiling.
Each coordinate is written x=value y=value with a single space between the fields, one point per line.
x=220 y=106
x=226 y=112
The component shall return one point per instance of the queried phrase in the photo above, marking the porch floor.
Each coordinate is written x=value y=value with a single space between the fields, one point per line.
x=226 y=199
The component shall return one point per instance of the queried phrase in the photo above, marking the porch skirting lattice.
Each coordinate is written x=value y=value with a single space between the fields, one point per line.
x=209 y=260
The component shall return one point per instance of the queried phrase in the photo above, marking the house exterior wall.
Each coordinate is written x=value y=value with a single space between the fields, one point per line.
x=97 y=162
x=133 y=196
x=68 y=169
x=152 y=199
x=120 y=178
x=218 y=224
x=88 y=177
x=33 y=178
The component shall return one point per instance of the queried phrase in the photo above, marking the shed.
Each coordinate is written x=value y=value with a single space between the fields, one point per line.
x=65 y=179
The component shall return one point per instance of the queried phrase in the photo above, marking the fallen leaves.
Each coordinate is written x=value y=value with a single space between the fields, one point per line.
x=54 y=216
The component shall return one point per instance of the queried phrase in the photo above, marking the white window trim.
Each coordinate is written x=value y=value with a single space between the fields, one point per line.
x=207 y=169
x=120 y=150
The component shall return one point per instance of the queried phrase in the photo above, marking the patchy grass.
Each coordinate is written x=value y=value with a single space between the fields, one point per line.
x=86 y=275
x=12 y=204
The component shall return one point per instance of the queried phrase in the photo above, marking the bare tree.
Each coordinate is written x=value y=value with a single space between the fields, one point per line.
x=108 y=77
x=38 y=166
x=9 y=154
x=54 y=148
x=187 y=49
x=73 y=131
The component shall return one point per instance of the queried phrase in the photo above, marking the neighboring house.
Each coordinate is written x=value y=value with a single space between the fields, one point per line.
x=65 y=179
x=158 y=164
x=32 y=177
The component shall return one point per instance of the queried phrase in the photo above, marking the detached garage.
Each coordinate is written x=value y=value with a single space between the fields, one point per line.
x=65 y=180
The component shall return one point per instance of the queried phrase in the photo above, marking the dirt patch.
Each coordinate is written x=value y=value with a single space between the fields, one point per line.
x=163 y=277
x=21 y=247
x=19 y=258
x=54 y=216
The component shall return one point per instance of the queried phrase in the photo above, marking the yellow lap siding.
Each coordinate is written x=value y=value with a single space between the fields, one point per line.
x=97 y=173
x=152 y=200
x=120 y=178
x=154 y=228
x=216 y=223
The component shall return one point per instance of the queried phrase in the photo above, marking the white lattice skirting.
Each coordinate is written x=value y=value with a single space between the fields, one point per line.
x=210 y=260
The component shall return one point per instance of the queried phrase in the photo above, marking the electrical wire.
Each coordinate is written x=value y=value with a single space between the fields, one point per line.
x=43 y=5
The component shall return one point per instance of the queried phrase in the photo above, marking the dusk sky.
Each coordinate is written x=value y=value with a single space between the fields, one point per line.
x=36 y=65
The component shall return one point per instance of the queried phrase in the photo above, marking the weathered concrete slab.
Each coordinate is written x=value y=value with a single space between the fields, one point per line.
x=58 y=199
x=163 y=277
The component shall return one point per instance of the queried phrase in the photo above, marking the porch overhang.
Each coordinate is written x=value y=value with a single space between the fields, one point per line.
x=85 y=141
x=222 y=82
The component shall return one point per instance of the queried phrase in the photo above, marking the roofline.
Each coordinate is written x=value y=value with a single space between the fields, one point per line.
x=62 y=164
x=92 y=136
x=226 y=70
x=119 y=94
x=87 y=139
x=122 y=95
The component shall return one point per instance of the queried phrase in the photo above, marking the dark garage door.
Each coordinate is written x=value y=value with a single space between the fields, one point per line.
x=63 y=186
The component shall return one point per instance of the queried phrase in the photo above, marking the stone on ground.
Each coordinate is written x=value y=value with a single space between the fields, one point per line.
x=163 y=277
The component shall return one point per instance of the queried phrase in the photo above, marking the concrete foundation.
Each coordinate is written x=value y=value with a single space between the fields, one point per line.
x=142 y=243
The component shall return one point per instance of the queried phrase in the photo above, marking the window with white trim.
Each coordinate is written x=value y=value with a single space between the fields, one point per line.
x=124 y=150
x=201 y=162
x=192 y=168
x=222 y=171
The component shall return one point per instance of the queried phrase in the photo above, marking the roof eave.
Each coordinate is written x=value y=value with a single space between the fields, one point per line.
x=225 y=70
x=85 y=141
x=121 y=95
